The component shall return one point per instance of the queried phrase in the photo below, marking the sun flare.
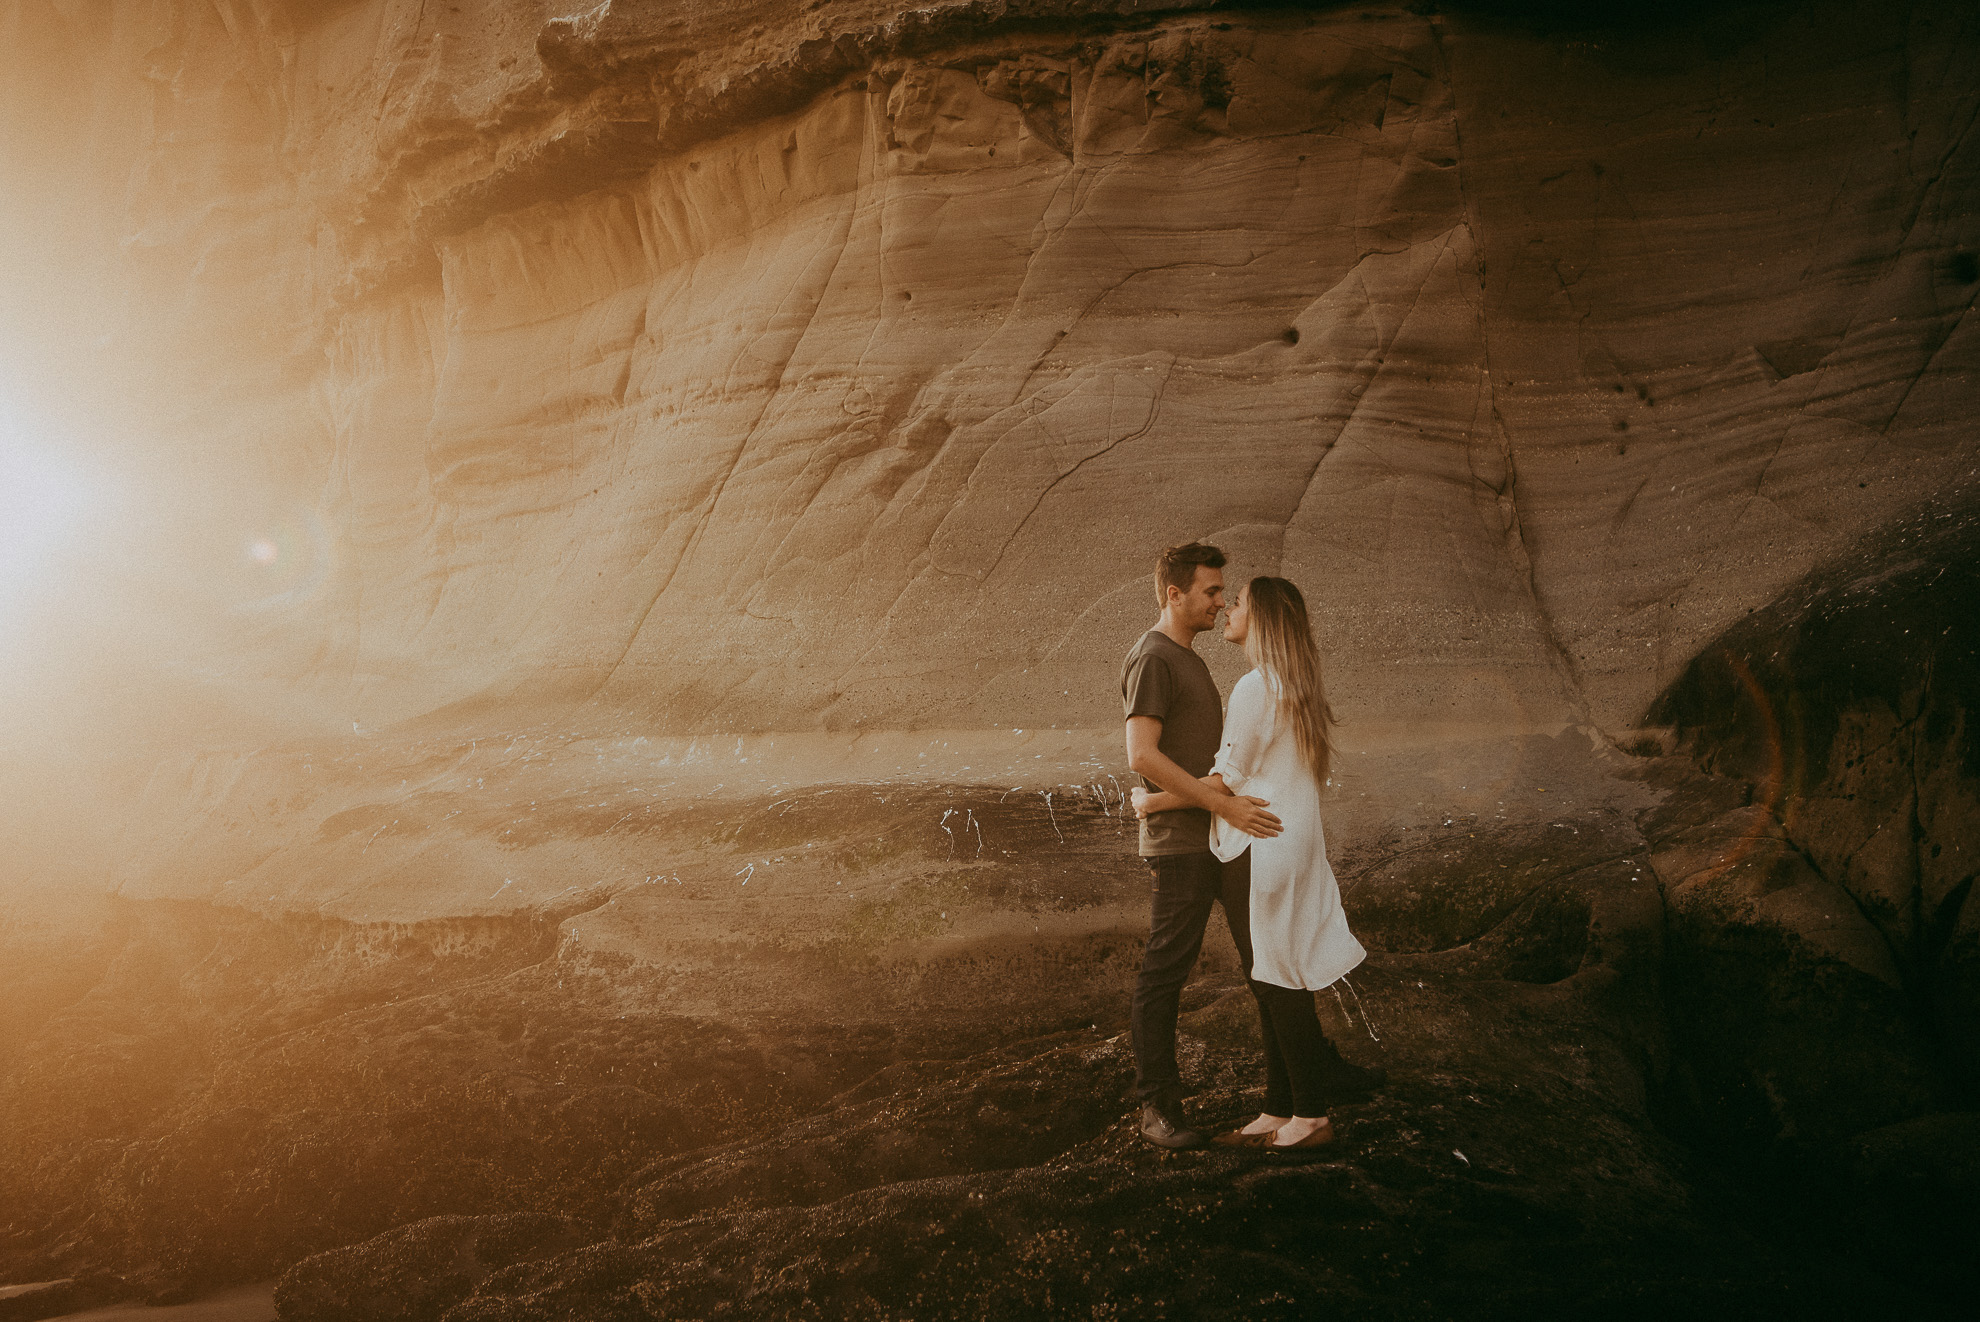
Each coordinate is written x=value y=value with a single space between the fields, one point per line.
x=42 y=499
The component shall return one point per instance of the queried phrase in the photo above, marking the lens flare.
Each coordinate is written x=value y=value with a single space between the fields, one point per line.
x=1770 y=789
x=290 y=560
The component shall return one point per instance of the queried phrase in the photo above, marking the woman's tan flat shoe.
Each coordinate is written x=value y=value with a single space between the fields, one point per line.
x=1324 y=1134
x=1237 y=1138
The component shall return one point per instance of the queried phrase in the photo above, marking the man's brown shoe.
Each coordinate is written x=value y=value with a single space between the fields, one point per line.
x=1162 y=1124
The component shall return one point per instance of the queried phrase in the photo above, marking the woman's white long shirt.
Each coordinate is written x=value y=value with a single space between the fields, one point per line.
x=1299 y=933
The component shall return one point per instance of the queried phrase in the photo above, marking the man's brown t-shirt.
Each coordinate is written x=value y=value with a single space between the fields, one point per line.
x=1164 y=679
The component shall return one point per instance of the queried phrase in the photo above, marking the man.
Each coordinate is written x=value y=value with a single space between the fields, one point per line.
x=1175 y=723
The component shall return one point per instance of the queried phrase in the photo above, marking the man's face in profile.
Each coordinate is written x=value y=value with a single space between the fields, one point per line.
x=1198 y=607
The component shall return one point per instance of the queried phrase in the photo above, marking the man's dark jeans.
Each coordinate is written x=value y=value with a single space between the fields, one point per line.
x=1298 y=1056
x=1185 y=886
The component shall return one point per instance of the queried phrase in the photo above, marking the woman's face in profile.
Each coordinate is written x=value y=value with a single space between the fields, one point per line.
x=1237 y=620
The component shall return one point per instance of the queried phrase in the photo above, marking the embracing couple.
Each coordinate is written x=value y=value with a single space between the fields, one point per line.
x=1231 y=814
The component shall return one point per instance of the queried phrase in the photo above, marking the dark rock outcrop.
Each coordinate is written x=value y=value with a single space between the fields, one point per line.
x=1825 y=943
x=33 y=1300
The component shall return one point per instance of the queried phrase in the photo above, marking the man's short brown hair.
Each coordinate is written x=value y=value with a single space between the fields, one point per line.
x=1176 y=567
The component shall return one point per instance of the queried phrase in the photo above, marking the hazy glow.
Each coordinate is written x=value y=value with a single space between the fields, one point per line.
x=42 y=499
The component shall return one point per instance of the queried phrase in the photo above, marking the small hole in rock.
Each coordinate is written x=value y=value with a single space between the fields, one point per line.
x=1290 y=335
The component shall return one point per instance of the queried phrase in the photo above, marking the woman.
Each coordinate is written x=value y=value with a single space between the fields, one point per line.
x=1276 y=748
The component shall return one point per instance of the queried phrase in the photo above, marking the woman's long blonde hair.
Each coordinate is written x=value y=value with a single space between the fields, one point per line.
x=1279 y=642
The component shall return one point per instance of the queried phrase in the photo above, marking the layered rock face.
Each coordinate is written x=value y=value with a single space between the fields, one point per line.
x=598 y=693
x=843 y=368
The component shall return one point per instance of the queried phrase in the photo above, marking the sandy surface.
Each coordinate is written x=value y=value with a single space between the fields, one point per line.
x=244 y=1303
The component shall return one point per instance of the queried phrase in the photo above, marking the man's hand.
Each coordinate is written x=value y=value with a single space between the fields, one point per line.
x=1139 y=796
x=1248 y=815
x=1146 y=759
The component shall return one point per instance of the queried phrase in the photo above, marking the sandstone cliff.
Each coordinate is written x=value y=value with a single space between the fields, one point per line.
x=788 y=368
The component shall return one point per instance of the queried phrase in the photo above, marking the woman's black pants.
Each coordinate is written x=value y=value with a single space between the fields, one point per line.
x=1298 y=1057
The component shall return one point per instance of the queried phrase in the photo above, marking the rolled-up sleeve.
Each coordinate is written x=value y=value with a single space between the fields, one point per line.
x=1247 y=729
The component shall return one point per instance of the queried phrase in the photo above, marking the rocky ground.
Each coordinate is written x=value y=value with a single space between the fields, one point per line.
x=491 y=1121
